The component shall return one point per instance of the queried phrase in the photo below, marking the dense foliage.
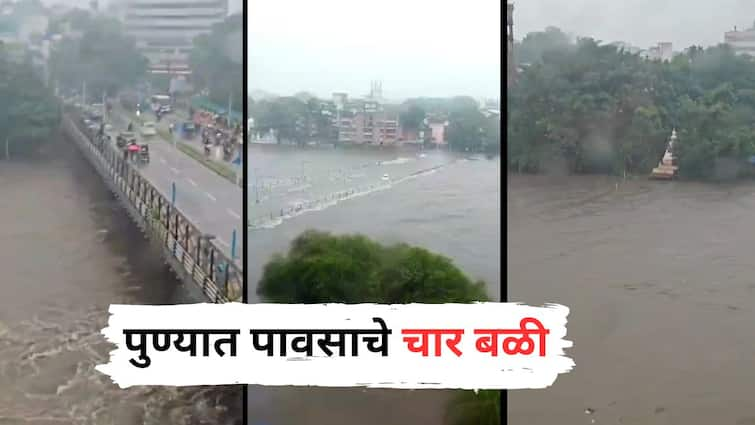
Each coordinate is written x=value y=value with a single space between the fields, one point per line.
x=321 y=268
x=470 y=408
x=595 y=108
x=97 y=53
x=217 y=62
x=28 y=110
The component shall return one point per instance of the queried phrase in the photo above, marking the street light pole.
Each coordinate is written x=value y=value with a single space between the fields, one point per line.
x=230 y=97
x=233 y=245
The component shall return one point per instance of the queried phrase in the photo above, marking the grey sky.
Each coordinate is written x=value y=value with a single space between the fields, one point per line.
x=415 y=47
x=639 y=22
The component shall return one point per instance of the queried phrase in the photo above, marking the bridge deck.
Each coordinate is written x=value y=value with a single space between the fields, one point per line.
x=210 y=201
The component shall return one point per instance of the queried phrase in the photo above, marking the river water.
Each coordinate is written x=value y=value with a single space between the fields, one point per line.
x=659 y=279
x=67 y=251
x=444 y=202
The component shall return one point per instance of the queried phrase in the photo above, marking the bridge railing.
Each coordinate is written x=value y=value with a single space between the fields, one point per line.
x=219 y=277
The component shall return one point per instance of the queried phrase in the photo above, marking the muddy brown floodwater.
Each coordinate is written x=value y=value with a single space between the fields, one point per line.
x=660 y=279
x=68 y=251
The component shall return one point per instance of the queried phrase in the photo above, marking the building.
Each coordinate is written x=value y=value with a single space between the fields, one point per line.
x=622 y=45
x=662 y=52
x=511 y=69
x=438 y=132
x=742 y=42
x=367 y=122
x=164 y=30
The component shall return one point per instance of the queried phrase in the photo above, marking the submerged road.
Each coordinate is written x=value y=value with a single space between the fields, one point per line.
x=211 y=202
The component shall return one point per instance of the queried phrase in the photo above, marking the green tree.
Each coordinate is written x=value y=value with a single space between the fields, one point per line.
x=28 y=110
x=470 y=408
x=320 y=267
x=531 y=49
x=412 y=116
x=288 y=116
x=595 y=108
x=103 y=57
x=466 y=125
x=216 y=62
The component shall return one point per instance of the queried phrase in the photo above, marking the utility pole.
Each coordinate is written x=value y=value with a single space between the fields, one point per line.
x=230 y=98
x=511 y=72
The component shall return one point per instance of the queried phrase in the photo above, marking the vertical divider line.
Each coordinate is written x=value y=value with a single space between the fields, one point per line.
x=244 y=181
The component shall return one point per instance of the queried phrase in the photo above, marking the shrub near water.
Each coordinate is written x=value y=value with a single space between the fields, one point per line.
x=321 y=268
x=324 y=268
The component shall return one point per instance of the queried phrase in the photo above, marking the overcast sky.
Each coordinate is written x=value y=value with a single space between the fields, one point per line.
x=415 y=47
x=639 y=22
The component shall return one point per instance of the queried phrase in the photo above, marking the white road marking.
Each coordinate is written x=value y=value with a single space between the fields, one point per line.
x=174 y=170
x=163 y=161
x=210 y=196
x=193 y=183
x=233 y=213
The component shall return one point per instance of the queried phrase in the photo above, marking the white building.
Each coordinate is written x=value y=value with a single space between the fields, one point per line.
x=622 y=45
x=165 y=29
x=663 y=52
x=742 y=42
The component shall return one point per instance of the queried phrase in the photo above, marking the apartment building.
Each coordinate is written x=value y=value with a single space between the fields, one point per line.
x=662 y=51
x=741 y=41
x=164 y=30
x=367 y=122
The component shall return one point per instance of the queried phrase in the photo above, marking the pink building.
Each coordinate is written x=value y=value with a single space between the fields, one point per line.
x=438 y=132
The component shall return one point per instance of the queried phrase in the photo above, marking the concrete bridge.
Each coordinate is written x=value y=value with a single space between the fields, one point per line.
x=187 y=232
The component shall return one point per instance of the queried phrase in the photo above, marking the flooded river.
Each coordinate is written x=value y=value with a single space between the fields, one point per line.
x=659 y=277
x=68 y=251
x=443 y=202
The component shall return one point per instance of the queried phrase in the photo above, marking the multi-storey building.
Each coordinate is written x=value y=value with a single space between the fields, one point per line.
x=367 y=122
x=164 y=30
x=742 y=42
x=662 y=51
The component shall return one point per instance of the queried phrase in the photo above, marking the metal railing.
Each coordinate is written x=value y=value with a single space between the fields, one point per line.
x=203 y=262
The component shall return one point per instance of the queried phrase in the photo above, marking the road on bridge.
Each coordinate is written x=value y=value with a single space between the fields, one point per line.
x=208 y=200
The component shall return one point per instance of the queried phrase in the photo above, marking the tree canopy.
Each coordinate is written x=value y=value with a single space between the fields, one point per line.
x=470 y=408
x=216 y=61
x=320 y=267
x=28 y=110
x=596 y=108
x=102 y=56
x=535 y=44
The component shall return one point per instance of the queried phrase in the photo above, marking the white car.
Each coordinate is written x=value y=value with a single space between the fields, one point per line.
x=148 y=129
